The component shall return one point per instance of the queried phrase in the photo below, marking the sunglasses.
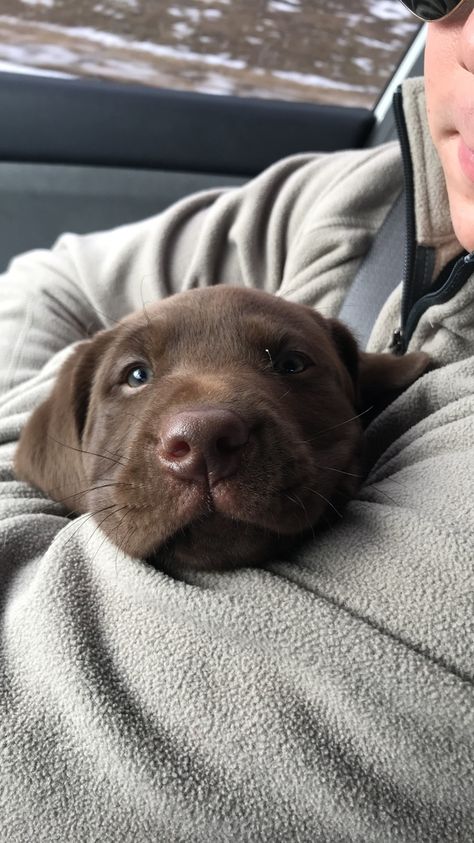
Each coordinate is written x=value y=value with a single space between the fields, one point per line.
x=430 y=10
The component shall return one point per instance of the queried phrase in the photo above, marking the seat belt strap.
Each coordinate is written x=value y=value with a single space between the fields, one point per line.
x=379 y=273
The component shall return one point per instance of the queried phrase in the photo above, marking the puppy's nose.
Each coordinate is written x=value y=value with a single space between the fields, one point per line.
x=203 y=443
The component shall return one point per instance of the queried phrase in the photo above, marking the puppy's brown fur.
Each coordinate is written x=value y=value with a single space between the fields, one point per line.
x=293 y=453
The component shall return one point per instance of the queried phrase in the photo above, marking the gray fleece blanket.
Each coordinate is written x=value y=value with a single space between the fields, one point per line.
x=325 y=698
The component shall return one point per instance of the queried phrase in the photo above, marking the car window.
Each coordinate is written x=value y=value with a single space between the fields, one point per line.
x=341 y=52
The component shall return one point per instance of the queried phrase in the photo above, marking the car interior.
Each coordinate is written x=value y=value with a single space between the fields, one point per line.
x=83 y=155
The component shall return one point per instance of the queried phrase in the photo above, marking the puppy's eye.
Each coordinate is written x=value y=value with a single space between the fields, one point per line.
x=291 y=363
x=138 y=376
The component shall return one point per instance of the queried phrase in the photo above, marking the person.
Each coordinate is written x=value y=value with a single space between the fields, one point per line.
x=325 y=697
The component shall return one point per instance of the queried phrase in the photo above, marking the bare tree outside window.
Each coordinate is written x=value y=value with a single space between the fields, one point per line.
x=307 y=50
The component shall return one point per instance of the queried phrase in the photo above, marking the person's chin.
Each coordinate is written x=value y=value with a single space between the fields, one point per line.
x=458 y=165
x=462 y=215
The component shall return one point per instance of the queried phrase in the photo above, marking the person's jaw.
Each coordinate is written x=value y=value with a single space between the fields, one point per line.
x=449 y=83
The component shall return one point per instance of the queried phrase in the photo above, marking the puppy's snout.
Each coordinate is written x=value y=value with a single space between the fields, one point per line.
x=206 y=443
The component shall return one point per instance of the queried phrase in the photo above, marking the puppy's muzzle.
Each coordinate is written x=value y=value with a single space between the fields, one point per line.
x=205 y=444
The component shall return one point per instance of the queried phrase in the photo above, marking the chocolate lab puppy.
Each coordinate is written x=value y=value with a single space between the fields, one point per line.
x=214 y=428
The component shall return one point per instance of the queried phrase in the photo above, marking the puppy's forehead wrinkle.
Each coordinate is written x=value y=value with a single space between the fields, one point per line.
x=134 y=345
x=146 y=340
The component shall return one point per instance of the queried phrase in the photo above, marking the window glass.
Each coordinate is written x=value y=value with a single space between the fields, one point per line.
x=340 y=51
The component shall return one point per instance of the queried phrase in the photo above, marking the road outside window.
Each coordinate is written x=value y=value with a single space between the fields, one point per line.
x=341 y=52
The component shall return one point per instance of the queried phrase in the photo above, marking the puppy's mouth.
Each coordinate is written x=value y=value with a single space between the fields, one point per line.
x=216 y=542
x=239 y=502
x=226 y=526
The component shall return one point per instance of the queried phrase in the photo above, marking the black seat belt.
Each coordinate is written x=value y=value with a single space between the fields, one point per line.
x=379 y=273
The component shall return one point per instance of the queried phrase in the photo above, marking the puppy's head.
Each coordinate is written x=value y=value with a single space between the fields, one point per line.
x=214 y=428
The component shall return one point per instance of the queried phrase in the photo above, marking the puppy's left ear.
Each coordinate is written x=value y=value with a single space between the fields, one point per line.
x=49 y=453
x=378 y=378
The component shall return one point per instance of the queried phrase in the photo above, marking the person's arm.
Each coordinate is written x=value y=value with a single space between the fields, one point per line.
x=298 y=229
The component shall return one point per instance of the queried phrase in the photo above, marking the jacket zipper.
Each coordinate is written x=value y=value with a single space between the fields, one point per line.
x=460 y=274
x=398 y=342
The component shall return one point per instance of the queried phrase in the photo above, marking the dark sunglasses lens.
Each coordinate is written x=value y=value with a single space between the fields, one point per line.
x=429 y=10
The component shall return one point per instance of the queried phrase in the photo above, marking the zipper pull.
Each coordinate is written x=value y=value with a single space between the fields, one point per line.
x=397 y=344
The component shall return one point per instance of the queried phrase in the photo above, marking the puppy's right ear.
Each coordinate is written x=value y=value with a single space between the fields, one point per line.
x=49 y=453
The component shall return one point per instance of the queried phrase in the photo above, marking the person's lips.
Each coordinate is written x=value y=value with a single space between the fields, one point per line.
x=466 y=159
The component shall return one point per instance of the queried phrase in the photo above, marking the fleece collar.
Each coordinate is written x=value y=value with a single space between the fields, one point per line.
x=432 y=215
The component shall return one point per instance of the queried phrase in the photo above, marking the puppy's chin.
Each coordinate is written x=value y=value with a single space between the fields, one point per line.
x=215 y=542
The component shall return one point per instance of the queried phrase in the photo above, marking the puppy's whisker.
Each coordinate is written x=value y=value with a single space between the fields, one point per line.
x=128 y=510
x=339 y=471
x=381 y=491
x=352 y=418
x=70 y=513
x=105 y=315
x=84 y=520
x=387 y=480
x=302 y=506
x=83 y=451
x=109 y=515
x=147 y=317
x=144 y=303
x=104 y=539
x=116 y=454
x=93 y=489
x=110 y=480
x=120 y=545
x=315 y=492
x=104 y=508
x=127 y=537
